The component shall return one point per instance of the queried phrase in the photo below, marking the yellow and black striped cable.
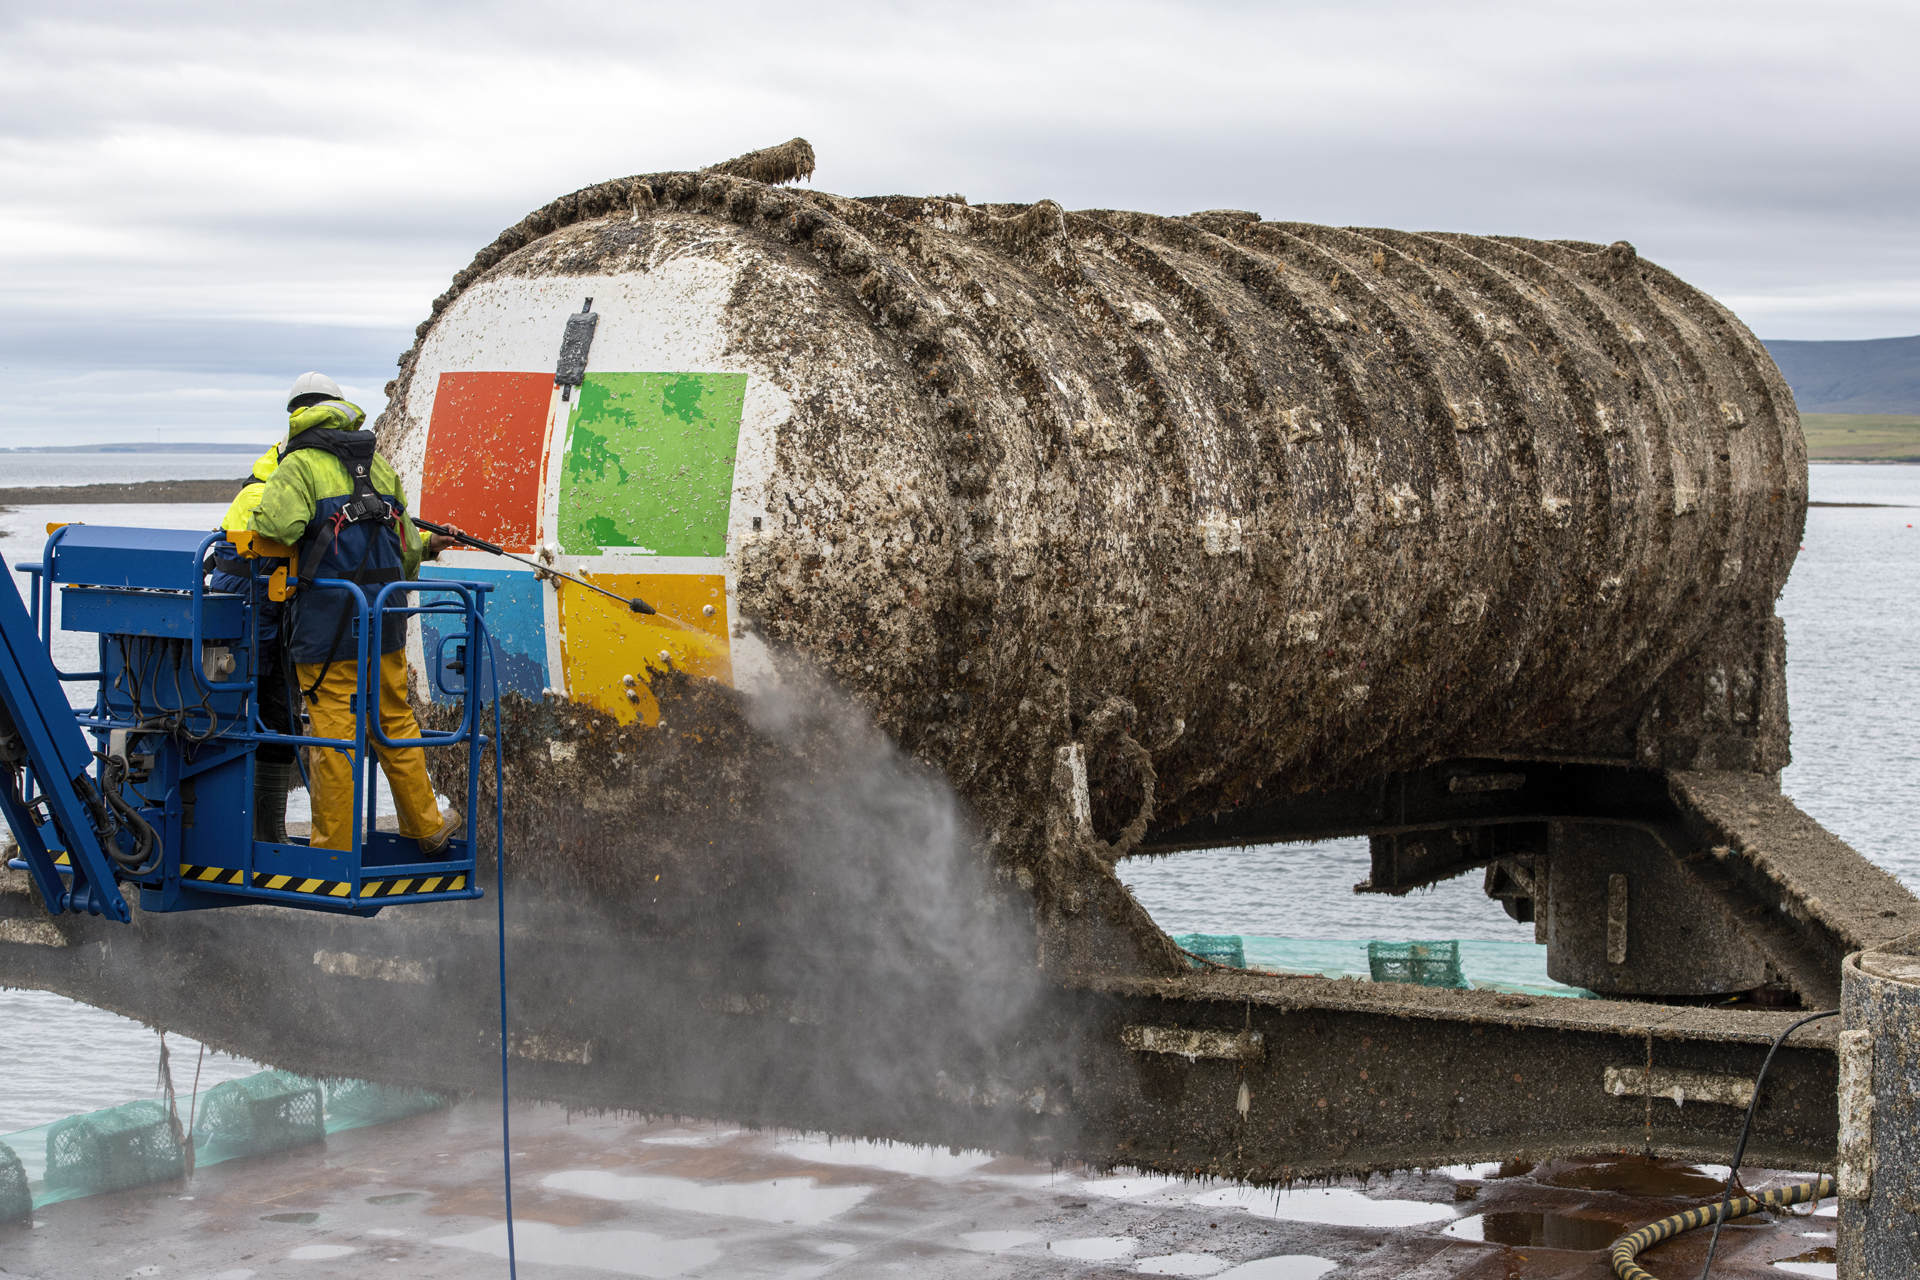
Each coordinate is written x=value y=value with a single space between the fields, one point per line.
x=1627 y=1248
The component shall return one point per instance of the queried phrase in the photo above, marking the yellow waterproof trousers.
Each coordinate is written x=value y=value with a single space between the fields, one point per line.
x=331 y=773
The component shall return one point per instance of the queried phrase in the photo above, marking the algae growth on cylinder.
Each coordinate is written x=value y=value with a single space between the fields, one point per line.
x=1297 y=506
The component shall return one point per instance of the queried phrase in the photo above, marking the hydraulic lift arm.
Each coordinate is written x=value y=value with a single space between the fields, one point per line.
x=41 y=745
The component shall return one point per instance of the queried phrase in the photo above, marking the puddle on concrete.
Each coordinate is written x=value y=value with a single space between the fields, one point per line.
x=997 y=1241
x=1095 y=1248
x=1287 y=1266
x=918 y=1162
x=1335 y=1206
x=1029 y=1181
x=301 y=1218
x=1482 y=1171
x=627 y=1253
x=1824 y=1261
x=1131 y=1188
x=689 y=1137
x=1180 y=1264
x=389 y=1231
x=1634 y=1176
x=399 y=1197
x=798 y=1201
x=1539 y=1230
x=836 y=1249
x=320 y=1252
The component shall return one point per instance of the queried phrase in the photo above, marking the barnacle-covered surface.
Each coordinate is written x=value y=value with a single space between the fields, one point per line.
x=1236 y=505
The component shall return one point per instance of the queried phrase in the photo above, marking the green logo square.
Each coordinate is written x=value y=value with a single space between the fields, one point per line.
x=648 y=465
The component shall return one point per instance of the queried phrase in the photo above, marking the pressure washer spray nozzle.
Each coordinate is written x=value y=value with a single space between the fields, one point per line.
x=639 y=606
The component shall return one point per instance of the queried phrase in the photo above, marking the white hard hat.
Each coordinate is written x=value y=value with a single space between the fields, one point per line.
x=313 y=384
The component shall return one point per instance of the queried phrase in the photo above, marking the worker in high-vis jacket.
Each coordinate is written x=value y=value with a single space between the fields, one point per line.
x=339 y=505
x=273 y=763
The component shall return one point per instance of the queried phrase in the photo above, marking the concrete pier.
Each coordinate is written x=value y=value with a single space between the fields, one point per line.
x=1880 y=1115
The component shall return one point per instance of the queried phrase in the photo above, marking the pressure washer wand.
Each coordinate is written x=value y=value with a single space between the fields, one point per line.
x=481 y=544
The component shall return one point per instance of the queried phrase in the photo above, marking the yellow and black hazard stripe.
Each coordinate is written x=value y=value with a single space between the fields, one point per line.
x=304 y=884
x=213 y=875
x=1627 y=1249
x=413 y=884
x=319 y=888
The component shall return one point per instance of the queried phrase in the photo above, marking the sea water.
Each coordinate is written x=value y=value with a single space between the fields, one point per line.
x=1851 y=612
x=34 y=470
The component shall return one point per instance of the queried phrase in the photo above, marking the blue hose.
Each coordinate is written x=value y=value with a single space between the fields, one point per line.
x=485 y=644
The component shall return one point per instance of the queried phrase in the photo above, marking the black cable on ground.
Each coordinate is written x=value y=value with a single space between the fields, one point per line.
x=1627 y=1248
x=1746 y=1128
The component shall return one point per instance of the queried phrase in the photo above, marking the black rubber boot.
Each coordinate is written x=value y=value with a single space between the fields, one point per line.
x=271 y=782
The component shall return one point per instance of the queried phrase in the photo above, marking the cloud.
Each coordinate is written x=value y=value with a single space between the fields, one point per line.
x=212 y=163
x=216 y=347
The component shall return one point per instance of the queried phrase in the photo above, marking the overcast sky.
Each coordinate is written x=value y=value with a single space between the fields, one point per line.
x=202 y=199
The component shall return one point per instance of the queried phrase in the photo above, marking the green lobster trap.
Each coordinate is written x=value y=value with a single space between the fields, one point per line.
x=16 y=1197
x=1425 y=964
x=353 y=1103
x=1221 y=948
x=130 y=1145
x=268 y=1111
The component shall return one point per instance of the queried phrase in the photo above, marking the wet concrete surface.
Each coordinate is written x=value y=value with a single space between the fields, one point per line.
x=613 y=1196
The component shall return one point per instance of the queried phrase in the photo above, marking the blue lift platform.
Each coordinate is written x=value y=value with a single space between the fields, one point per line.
x=149 y=784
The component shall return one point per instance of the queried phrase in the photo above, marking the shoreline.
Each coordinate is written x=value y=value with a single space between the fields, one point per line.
x=141 y=491
x=1863 y=462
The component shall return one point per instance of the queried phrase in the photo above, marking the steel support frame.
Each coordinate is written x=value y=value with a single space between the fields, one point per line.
x=1743 y=851
x=1341 y=1076
x=1349 y=1077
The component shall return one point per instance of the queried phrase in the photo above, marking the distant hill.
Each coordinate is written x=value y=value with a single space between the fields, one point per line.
x=171 y=446
x=1862 y=437
x=1879 y=375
